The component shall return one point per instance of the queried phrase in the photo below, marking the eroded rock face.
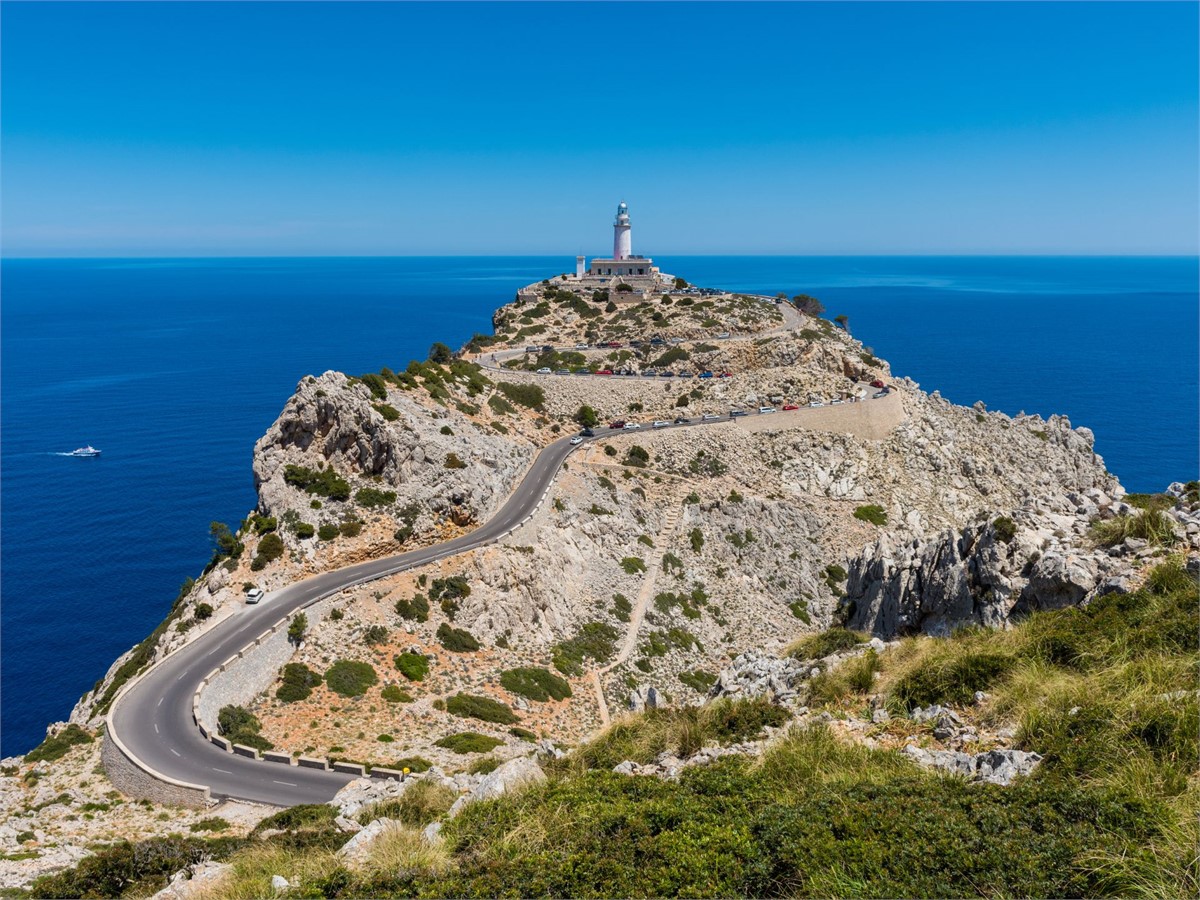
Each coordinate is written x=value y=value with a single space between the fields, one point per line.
x=331 y=422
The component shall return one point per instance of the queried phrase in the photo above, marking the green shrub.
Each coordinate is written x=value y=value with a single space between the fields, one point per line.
x=416 y=764
x=636 y=457
x=472 y=706
x=263 y=524
x=376 y=634
x=416 y=609
x=951 y=679
x=56 y=746
x=523 y=733
x=1152 y=525
x=304 y=529
x=389 y=412
x=328 y=532
x=528 y=395
x=413 y=666
x=468 y=742
x=622 y=607
x=270 y=548
x=456 y=587
x=307 y=816
x=698 y=681
x=372 y=497
x=240 y=726
x=594 y=640
x=799 y=609
x=1006 y=529
x=872 y=513
x=298 y=683
x=535 y=684
x=202 y=611
x=349 y=678
x=393 y=694
x=323 y=483
x=456 y=640
x=696 y=536
x=350 y=528
x=483 y=765
x=633 y=564
x=453 y=462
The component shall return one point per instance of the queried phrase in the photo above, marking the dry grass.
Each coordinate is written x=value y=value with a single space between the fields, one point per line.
x=400 y=851
x=250 y=877
x=422 y=802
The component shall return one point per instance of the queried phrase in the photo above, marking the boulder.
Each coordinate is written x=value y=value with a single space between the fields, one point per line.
x=356 y=850
x=509 y=777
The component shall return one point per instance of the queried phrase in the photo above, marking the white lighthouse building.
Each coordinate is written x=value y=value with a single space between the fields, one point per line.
x=622 y=239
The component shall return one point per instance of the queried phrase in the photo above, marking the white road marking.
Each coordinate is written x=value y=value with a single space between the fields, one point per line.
x=288 y=783
x=156 y=728
x=222 y=771
x=173 y=750
x=160 y=700
x=185 y=671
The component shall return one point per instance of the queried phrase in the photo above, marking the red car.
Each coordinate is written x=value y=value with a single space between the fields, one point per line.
x=620 y=423
x=725 y=375
x=877 y=383
x=604 y=372
x=790 y=407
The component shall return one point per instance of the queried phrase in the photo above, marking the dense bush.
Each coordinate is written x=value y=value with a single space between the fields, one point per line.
x=413 y=666
x=594 y=640
x=453 y=462
x=389 y=412
x=240 y=726
x=873 y=513
x=636 y=456
x=394 y=694
x=528 y=395
x=468 y=742
x=472 y=706
x=633 y=565
x=372 y=497
x=298 y=683
x=56 y=746
x=1006 y=529
x=456 y=640
x=416 y=609
x=270 y=548
x=328 y=532
x=376 y=634
x=349 y=678
x=304 y=530
x=412 y=763
x=535 y=684
x=455 y=587
x=324 y=483
x=622 y=607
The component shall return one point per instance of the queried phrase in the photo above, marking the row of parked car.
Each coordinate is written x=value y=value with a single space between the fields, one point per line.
x=617 y=345
x=649 y=373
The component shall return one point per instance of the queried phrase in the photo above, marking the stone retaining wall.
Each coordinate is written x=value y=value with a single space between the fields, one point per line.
x=134 y=781
x=244 y=676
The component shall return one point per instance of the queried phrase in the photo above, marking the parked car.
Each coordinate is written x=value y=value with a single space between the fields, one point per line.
x=685 y=374
x=736 y=412
x=680 y=420
x=581 y=346
x=723 y=334
x=604 y=372
x=725 y=375
x=582 y=372
x=705 y=375
x=836 y=400
x=666 y=374
x=656 y=342
x=620 y=423
x=543 y=371
x=660 y=424
x=789 y=407
x=562 y=371
x=588 y=432
x=877 y=383
x=708 y=417
x=533 y=349
x=254 y=595
x=577 y=440
x=815 y=403
x=676 y=340
x=763 y=410
x=635 y=343
x=879 y=394
x=631 y=425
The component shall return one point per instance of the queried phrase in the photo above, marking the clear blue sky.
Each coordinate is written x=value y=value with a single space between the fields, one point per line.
x=810 y=128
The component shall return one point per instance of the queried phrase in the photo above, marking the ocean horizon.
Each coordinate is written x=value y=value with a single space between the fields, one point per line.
x=175 y=366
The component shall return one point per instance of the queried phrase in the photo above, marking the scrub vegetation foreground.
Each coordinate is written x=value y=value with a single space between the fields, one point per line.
x=1107 y=694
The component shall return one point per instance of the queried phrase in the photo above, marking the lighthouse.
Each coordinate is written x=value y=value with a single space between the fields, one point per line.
x=622 y=242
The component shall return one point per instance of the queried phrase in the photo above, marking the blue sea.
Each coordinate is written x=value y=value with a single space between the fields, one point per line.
x=175 y=367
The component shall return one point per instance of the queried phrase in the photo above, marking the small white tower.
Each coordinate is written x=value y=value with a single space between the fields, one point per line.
x=622 y=242
x=580 y=266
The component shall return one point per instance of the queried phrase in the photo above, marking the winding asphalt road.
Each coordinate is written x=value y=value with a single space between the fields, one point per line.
x=153 y=717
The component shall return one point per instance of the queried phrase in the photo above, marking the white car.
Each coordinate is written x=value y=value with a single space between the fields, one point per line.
x=723 y=334
x=815 y=403
x=254 y=595
x=763 y=410
x=576 y=440
x=581 y=346
x=660 y=424
x=709 y=417
x=629 y=425
x=543 y=371
x=836 y=400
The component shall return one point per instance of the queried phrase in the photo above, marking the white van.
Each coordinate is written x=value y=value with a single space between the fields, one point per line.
x=254 y=595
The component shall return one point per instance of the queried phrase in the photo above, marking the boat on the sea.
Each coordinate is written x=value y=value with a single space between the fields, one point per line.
x=89 y=450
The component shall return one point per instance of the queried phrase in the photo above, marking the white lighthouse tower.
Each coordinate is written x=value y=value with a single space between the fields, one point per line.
x=622 y=242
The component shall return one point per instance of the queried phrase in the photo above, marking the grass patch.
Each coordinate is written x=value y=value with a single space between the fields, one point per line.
x=420 y=804
x=825 y=643
x=57 y=746
x=873 y=513
x=1151 y=525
